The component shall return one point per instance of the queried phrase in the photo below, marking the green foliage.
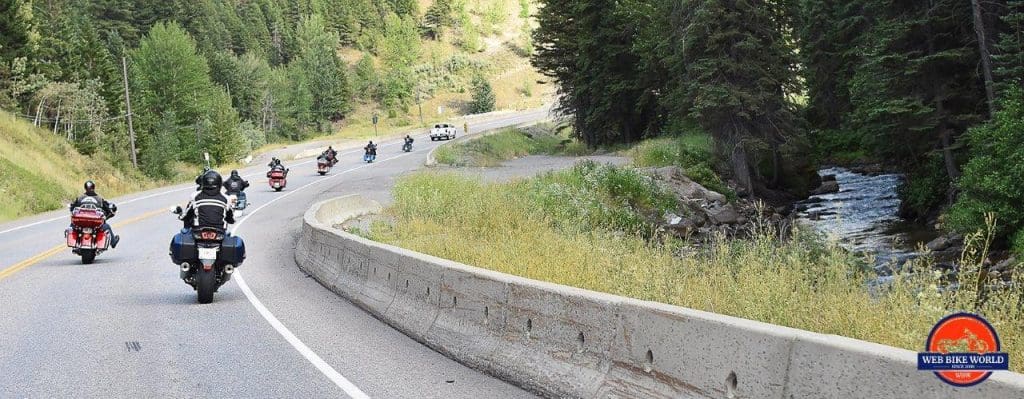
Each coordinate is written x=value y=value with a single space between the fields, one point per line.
x=483 y=96
x=366 y=79
x=437 y=17
x=991 y=182
x=1008 y=58
x=399 y=50
x=185 y=113
x=324 y=71
x=693 y=152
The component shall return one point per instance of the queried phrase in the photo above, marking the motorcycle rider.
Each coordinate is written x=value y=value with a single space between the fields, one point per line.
x=109 y=209
x=332 y=155
x=275 y=164
x=235 y=184
x=208 y=207
x=371 y=149
x=408 y=140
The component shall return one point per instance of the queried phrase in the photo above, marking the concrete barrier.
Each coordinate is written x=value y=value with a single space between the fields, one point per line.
x=566 y=342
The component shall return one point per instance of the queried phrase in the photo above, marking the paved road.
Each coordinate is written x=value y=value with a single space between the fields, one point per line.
x=127 y=326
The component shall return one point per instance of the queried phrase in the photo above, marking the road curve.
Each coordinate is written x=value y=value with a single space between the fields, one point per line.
x=127 y=326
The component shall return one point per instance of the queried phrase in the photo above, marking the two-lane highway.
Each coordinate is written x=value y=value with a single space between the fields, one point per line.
x=127 y=326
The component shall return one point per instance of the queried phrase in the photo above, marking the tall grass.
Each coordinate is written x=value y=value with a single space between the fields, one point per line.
x=40 y=171
x=521 y=228
x=693 y=152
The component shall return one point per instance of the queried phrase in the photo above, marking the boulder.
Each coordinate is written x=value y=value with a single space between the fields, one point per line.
x=827 y=187
x=681 y=226
x=685 y=188
x=1005 y=266
x=724 y=214
x=945 y=242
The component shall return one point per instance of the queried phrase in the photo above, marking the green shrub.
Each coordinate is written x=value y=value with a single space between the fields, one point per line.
x=992 y=179
x=692 y=152
x=592 y=195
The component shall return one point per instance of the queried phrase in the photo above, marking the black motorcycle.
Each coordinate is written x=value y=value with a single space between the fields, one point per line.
x=207 y=257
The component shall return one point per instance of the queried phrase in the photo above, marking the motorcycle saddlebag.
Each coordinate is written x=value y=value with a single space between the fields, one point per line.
x=232 y=251
x=183 y=248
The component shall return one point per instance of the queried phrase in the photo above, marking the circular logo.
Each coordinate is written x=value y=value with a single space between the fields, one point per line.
x=963 y=333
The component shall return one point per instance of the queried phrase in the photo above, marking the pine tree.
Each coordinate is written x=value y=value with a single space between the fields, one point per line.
x=732 y=70
x=1008 y=58
x=325 y=72
x=177 y=104
x=588 y=48
x=483 y=96
x=918 y=86
x=436 y=18
x=830 y=33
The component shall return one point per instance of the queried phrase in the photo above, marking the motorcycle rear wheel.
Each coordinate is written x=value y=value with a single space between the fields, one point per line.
x=322 y=173
x=88 y=256
x=206 y=284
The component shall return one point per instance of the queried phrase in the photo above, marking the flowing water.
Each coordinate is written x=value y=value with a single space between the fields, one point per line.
x=864 y=217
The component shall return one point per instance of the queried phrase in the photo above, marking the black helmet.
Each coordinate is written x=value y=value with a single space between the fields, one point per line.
x=211 y=180
x=90 y=187
x=234 y=173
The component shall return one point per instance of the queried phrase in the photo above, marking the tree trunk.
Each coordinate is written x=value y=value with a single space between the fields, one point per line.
x=986 y=57
x=738 y=160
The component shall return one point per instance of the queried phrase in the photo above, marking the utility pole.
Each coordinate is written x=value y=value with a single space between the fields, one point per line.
x=128 y=104
x=420 y=104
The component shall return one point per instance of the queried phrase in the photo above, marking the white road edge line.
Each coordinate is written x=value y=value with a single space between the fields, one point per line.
x=328 y=371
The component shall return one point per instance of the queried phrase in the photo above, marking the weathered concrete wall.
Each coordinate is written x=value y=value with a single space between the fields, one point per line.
x=567 y=342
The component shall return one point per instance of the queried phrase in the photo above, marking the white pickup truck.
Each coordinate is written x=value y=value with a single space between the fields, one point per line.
x=443 y=130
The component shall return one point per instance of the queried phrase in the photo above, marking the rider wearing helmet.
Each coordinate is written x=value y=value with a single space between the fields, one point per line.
x=208 y=207
x=235 y=184
x=371 y=148
x=275 y=164
x=332 y=155
x=109 y=209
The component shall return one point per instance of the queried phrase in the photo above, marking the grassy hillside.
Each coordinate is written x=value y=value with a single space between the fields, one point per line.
x=40 y=171
x=492 y=39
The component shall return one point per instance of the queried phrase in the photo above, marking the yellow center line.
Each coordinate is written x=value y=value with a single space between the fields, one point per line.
x=55 y=250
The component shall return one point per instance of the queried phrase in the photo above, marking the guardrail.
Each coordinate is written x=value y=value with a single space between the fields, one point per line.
x=566 y=342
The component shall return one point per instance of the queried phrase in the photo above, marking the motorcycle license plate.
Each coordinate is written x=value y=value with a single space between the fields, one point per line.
x=207 y=253
x=87 y=230
x=276 y=185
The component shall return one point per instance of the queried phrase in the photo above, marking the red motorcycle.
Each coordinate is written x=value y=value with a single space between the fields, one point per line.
x=277 y=179
x=323 y=166
x=86 y=237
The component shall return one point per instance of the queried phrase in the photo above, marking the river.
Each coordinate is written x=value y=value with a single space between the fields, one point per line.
x=864 y=217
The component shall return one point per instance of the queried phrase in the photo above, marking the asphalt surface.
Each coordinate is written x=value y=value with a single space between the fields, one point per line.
x=127 y=326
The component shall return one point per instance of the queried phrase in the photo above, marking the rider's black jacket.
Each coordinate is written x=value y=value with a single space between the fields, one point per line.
x=371 y=149
x=235 y=185
x=208 y=208
x=94 y=199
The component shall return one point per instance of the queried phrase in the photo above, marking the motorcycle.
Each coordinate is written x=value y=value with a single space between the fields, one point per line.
x=86 y=237
x=407 y=147
x=239 y=202
x=323 y=166
x=207 y=257
x=369 y=157
x=277 y=179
